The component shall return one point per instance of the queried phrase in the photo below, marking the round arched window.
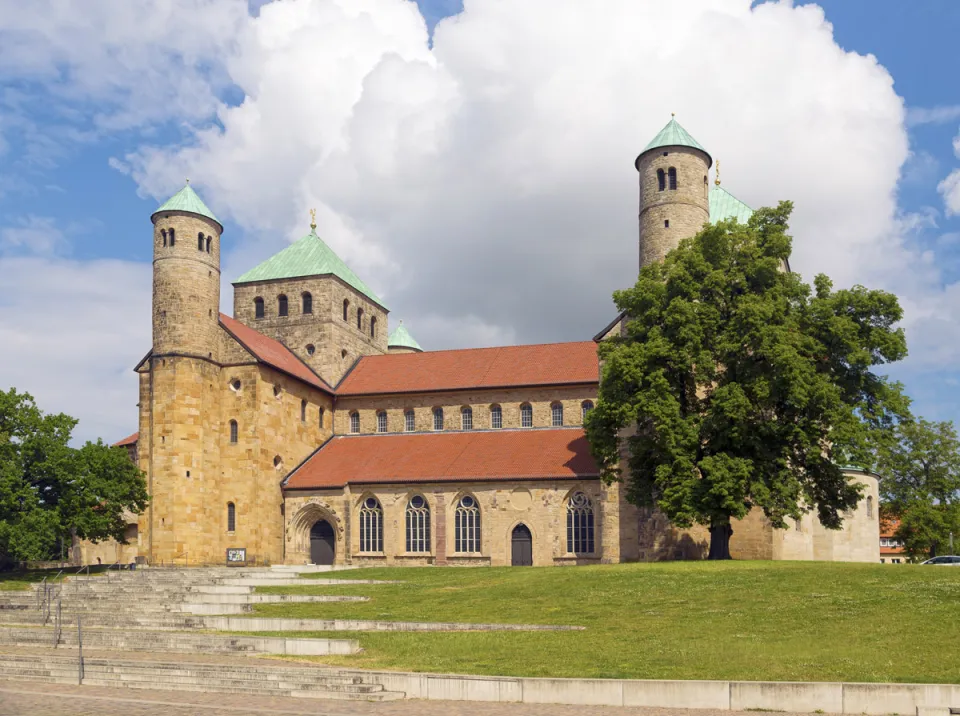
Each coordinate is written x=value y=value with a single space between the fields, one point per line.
x=417 y=502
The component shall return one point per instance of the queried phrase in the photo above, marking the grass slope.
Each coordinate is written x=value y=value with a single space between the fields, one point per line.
x=779 y=621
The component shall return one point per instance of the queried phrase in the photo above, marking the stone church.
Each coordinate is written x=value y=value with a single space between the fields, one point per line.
x=302 y=430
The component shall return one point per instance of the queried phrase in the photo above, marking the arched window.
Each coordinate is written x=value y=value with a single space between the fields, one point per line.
x=173 y=237
x=418 y=525
x=467 y=525
x=661 y=180
x=234 y=431
x=585 y=407
x=320 y=419
x=163 y=232
x=466 y=418
x=672 y=172
x=354 y=422
x=200 y=241
x=307 y=302
x=209 y=240
x=869 y=508
x=281 y=305
x=381 y=421
x=438 y=418
x=303 y=411
x=360 y=319
x=231 y=517
x=496 y=417
x=373 y=326
x=409 y=421
x=556 y=415
x=526 y=415
x=258 y=307
x=346 y=309
x=580 y=524
x=371 y=526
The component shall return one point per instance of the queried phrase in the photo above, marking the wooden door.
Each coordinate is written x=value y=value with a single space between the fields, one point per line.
x=522 y=547
x=323 y=543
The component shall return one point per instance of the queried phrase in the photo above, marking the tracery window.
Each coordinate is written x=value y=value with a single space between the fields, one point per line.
x=382 y=421
x=418 y=525
x=580 y=524
x=496 y=417
x=556 y=415
x=409 y=421
x=467 y=525
x=371 y=526
x=354 y=422
x=438 y=418
x=526 y=415
x=466 y=418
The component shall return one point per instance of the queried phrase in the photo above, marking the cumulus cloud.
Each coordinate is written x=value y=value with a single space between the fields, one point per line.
x=483 y=184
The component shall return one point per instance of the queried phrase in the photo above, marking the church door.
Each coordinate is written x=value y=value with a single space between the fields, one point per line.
x=323 y=543
x=522 y=546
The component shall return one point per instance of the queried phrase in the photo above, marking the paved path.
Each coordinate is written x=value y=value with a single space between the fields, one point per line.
x=36 y=699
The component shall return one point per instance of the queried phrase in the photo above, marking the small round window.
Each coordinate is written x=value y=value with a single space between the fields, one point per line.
x=417 y=502
x=467 y=501
x=235 y=385
x=311 y=349
x=371 y=503
x=277 y=462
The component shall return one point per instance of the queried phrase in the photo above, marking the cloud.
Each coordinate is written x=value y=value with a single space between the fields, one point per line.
x=949 y=188
x=932 y=115
x=32 y=235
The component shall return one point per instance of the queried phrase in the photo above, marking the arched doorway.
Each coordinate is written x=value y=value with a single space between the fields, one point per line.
x=521 y=542
x=323 y=543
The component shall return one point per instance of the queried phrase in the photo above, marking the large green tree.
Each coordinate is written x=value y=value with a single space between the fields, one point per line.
x=921 y=486
x=50 y=491
x=737 y=386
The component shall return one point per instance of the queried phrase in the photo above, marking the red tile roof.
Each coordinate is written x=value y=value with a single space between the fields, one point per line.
x=561 y=453
x=509 y=366
x=129 y=440
x=272 y=352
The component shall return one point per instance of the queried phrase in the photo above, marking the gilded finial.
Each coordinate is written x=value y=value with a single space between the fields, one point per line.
x=188 y=180
x=313 y=219
x=673 y=114
x=717 y=180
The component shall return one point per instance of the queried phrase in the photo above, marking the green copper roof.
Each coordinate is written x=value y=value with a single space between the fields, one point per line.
x=673 y=135
x=309 y=256
x=401 y=338
x=187 y=200
x=724 y=205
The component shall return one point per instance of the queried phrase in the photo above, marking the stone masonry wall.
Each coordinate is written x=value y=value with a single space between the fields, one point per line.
x=686 y=208
x=540 y=505
x=480 y=401
x=335 y=343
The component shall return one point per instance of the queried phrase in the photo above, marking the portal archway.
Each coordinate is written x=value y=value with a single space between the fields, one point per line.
x=521 y=546
x=323 y=543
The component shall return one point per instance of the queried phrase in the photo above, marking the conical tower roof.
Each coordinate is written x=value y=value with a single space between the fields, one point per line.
x=187 y=200
x=401 y=338
x=673 y=135
x=309 y=256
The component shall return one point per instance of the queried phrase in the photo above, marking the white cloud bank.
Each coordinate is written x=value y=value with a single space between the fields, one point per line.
x=484 y=186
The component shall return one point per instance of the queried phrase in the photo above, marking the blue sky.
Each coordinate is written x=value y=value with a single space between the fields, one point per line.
x=82 y=137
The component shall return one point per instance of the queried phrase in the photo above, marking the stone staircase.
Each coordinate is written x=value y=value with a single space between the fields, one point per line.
x=234 y=677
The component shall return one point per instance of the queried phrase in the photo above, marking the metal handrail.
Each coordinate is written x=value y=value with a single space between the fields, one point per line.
x=111 y=566
x=79 y=653
x=58 y=622
x=42 y=588
x=76 y=582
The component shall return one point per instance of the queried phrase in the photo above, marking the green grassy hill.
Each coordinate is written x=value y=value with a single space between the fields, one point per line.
x=684 y=620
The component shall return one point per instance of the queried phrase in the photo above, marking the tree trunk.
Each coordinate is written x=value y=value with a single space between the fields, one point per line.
x=720 y=541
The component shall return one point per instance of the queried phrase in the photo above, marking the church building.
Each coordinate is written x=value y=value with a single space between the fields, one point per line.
x=301 y=429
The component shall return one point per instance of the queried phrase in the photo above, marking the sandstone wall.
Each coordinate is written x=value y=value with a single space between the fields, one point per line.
x=540 y=505
x=479 y=401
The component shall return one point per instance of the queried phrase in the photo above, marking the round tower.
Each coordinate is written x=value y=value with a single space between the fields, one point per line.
x=674 y=192
x=186 y=277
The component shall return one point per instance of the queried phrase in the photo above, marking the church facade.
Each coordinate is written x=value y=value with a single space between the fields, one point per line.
x=300 y=430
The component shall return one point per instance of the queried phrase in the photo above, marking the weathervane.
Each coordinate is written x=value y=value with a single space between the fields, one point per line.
x=717 y=180
x=313 y=219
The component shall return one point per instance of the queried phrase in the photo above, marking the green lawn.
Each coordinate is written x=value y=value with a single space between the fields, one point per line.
x=12 y=581
x=684 y=620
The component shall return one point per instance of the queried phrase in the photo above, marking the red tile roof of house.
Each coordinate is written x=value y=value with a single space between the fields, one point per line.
x=129 y=440
x=272 y=352
x=525 y=454
x=508 y=366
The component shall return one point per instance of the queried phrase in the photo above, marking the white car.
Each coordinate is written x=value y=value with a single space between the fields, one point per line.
x=949 y=560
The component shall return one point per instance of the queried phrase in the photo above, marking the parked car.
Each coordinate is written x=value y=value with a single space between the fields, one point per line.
x=951 y=560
